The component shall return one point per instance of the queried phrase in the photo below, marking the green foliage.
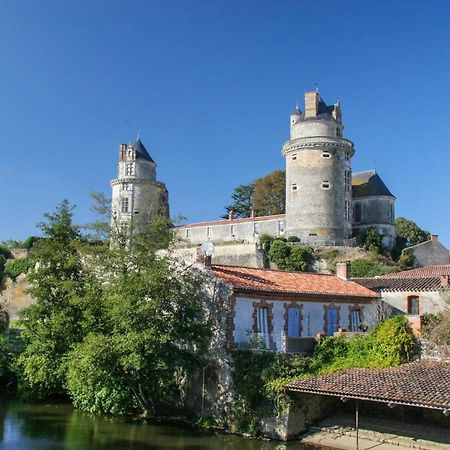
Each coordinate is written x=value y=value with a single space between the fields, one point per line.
x=373 y=241
x=408 y=233
x=362 y=267
x=436 y=327
x=242 y=201
x=115 y=327
x=269 y=195
x=260 y=377
x=293 y=239
x=15 y=267
x=406 y=261
x=289 y=257
x=5 y=252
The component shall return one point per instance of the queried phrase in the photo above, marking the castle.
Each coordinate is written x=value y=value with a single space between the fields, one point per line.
x=326 y=204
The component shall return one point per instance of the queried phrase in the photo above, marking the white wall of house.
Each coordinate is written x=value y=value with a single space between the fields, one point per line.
x=312 y=317
x=430 y=301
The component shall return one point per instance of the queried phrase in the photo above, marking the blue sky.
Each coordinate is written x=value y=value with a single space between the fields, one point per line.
x=211 y=85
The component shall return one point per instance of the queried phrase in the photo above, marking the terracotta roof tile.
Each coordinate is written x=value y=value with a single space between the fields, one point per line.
x=278 y=281
x=421 y=383
x=401 y=284
x=422 y=272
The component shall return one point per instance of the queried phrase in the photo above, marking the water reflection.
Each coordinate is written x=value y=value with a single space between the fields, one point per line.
x=50 y=427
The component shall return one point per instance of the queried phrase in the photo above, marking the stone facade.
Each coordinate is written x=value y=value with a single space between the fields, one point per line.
x=136 y=194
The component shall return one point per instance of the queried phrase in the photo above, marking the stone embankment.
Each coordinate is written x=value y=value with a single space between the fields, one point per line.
x=338 y=432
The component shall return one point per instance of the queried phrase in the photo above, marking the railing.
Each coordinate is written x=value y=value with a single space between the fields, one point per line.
x=272 y=342
x=353 y=242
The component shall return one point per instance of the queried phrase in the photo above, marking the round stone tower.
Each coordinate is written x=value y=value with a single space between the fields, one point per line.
x=136 y=194
x=318 y=174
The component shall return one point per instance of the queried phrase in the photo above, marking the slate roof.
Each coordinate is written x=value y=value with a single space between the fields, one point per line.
x=421 y=383
x=141 y=151
x=231 y=221
x=324 y=112
x=368 y=184
x=246 y=279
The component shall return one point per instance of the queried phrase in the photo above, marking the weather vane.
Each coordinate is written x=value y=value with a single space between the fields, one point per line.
x=138 y=135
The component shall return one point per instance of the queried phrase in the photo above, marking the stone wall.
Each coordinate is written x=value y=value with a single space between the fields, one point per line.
x=14 y=296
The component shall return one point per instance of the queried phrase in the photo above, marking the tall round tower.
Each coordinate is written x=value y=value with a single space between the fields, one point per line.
x=136 y=194
x=318 y=174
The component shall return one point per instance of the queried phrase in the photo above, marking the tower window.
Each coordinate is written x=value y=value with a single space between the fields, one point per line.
x=125 y=205
x=326 y=184
x=233 y=230
x=294 y=187
x=208 y=231
x=188 y=233
x=130 y=169
x=126 y=186
x=347 y=155
x=256 y=229
x=294 y=156
x=347 y=180
x=326 y=155
x=338 y=132
x=347 y=210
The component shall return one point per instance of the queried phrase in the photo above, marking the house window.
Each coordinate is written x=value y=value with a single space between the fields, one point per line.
x=188 y=233
x=325 y=184
x=294 y=187
x=355 y=319
x=280 y=226
x=256 y=229
x=293 y=325
x=347 y=180
x=413 y=305
x=125 y=205
x=331 y=317
x=294 y=156
x=326 y=155
x=233 y=230
x=347 y=210
x=130 y=169
x=358 y=213
x=208 y=231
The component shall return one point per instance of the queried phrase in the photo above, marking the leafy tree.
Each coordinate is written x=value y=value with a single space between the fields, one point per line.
x=269 y=195
x=299 y=258
x=373 y=242
x=409 y=233
x=54 y=322
x=242 y=201
x=289 y=257
x=279 y=253
x=406 y=261
x=15 y=267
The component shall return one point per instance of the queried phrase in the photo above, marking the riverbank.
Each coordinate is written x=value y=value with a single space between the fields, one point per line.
x=338 y=432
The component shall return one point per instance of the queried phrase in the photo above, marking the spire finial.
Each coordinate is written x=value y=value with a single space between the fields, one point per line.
x=138 y=135
x=317 y=87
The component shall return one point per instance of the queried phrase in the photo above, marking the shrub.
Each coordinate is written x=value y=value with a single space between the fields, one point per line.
x=406 y=261
x=373 y=241
x=365 y=268
x=279 y=253
x=293 y=239
x=299 y=258
x=15 y=267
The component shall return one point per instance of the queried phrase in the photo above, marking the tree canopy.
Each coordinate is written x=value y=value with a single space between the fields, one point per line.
x=409 y=232
x=117 y=326
x=242 y=201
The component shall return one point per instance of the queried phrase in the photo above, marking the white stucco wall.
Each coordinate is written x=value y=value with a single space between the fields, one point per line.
x=429 y=301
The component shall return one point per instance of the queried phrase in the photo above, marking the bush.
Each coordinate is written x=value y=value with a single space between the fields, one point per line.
x=293 y=239
x=373 y=241
x=299 y=258
x=365 y=268
x=406 y=261
x=15 y=267
x=279 y=253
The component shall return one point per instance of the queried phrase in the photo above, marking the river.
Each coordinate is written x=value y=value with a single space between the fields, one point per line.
x=25 y=426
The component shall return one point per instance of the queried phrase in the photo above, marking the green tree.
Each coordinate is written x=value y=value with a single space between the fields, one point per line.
x=242 y=201
x=279 y=253
x=15 y=267
x=299 y=258
x=373 y=242
x=269 y=195
x=409 y=233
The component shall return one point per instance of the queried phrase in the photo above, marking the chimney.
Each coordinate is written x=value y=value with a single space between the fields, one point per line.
x=434 y=237
x=231 y=215
x=444 y=280
x=344 y=270
x=311 y=104
x=252 y=213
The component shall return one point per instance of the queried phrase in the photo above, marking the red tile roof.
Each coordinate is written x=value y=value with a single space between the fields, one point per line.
x=421 y=383
x=402 y=284
x=231 y=221
x=278 y=281
x=422 y=272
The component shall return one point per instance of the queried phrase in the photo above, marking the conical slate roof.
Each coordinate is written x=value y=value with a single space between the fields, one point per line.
x=368 y=183
x=141 y=151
